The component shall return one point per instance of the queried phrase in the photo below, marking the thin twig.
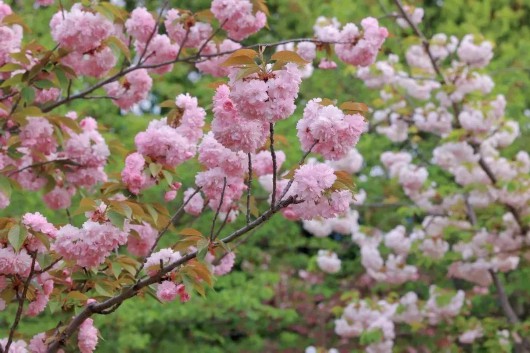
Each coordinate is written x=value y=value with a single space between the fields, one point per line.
x=40 y=164
x=177 y=214
x=214 y=33
x=49 y=267
x=153 y=32
x=249 y=185
x=132 y=291
x=302 y=160
x=274 y=171
x=189 y=59
x=21 y=301
x=218 y=209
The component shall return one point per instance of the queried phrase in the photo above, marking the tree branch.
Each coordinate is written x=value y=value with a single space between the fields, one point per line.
x=190 y=59
x=274 y=165
x=249 y=185
x=21 y=301
x=218 y=209
x=177 y=214
x=131 y=291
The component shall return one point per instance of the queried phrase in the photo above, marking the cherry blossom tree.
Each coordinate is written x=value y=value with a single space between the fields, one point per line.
x=114 y=254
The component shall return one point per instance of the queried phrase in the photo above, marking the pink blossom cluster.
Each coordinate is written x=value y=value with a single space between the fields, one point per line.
x=238 y=17
x=89 y=151
x=262 y=162
x=152 y=49
x=133 y=88
x=42 y=295
x=160 y=258
x=244 y=109
x=269 y=98
x=327 y=29
x=159 y=52
x=212 y=65
x=474 y=55
x=169 y=143
x=87 y=338
x=437 y=312
x=141 y=238
x=232 y=129
x=350 y=163
x=365 y=316
x=185 y=31
x=488 y=251
x=14 y=262
x=10 y=36
x=84 y=33
x=433 y=119
x=394 y=269
x=84 y=154
x=90 y=245
x=333 y=131
x=312 y=184
x=415 y=15
x=17 y=346
x=36 y=223
x=134 y=174
x=345 y=224
x=141 y=24
x=410 y=176
x=360 y=48
x=328 y=261
x=167 y=291
x=223 y=265
x=195 y=204
x=223 y=167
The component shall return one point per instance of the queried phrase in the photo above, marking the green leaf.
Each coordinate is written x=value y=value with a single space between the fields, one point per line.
x=28 y=94
x=289 y=56
x=344 y=181
x=188 y=232
x=444 y=299
x=168 y=177
x=17 y=235
x=102 y=291
x=202 y=249
x=116 y=218
x=44 y=84
x=170 y=103
x=354 y=107
x=155 y=168
x=152 y=212
x=120 y=46
x=5 y=186
x=369 y=337
x=240 y=60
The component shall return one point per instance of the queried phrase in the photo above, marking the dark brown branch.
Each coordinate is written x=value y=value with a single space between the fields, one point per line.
x=49 y=267
x=274 y=168
x=21 y=301
x=131 y=291
x=190 y=59
x=153 y=32
x=511 y=316
x=36 y=165
x=249 y=185
x=218 y=209
x=426 y=46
